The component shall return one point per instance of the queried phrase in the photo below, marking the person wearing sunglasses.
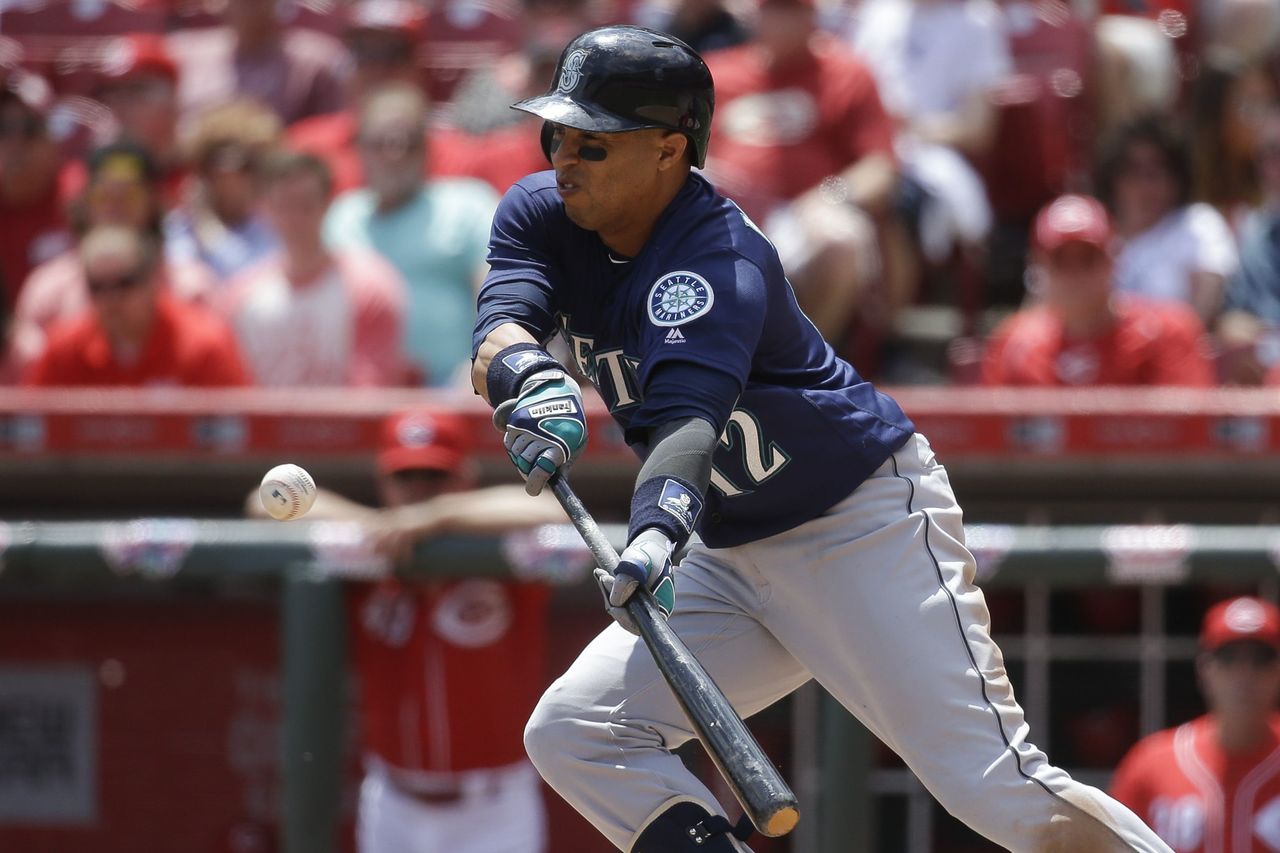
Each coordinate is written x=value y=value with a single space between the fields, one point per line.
x=1213 y=784
x=134 y=333
x=123 y=189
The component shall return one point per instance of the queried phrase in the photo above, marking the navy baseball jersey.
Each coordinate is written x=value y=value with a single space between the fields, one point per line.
x=799 y=428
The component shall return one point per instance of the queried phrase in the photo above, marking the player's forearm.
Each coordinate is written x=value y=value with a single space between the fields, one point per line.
x=493 y=511
x=497 y=340
x=682 y=449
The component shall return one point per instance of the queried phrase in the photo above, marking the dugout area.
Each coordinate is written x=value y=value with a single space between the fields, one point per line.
x=171 y=678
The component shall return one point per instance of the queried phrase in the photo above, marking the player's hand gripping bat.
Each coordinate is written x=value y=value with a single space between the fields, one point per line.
x=759 y=787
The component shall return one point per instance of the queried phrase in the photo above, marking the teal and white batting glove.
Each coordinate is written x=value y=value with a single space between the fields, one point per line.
x=647 y=561
x=545 y=426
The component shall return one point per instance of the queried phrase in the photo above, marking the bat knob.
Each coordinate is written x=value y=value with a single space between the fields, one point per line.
x=781 y=822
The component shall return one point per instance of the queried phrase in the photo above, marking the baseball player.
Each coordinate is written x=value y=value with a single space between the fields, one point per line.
x=832 y=546
x=1212 y=785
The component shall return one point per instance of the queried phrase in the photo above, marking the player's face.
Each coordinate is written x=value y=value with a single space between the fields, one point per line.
x=606 y=178
x=1241 y=679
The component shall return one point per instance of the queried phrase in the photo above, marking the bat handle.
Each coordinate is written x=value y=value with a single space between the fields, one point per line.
x=597 y=542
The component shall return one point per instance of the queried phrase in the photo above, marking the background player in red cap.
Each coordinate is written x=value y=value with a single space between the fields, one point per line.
x=1213 y=785
x=448 y=669
x=1079 y=332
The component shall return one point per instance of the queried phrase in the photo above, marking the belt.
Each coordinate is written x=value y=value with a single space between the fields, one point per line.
x=434 y=798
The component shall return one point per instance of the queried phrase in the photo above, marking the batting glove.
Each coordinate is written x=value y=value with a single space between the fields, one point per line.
x=647 y=560
x=545 y=426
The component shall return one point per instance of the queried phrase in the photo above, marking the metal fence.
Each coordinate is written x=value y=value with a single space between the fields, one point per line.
x=832 y=754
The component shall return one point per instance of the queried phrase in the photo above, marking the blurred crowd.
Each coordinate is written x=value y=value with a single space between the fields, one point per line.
x=226 y=192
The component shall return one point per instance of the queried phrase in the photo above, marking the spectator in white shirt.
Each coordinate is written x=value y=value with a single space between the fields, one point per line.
x=936 y=63
x=1169 y=247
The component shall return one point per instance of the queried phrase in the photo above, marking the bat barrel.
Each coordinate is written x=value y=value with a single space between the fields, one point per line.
x=764 y=795
x=758 y=786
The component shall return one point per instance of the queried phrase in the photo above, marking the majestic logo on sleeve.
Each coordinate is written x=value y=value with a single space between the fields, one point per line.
x=572 y=71
x=681 y=503
x=679 y=297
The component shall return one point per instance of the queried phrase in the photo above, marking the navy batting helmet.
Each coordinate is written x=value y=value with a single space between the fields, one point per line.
x=620 y=78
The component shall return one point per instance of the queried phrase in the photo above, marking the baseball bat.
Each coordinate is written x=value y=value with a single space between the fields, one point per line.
x=764 y=794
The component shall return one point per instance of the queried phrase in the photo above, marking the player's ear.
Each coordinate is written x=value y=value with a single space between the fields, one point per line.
x=672 y=150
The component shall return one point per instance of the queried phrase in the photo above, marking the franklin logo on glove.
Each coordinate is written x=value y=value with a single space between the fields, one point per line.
x=558 y=407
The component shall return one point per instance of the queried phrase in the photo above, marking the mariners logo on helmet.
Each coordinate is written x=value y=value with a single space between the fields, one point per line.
x=679 y=297
x=621 y=78
x=572 y=71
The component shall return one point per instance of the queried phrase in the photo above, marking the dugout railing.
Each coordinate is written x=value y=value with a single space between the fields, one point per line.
x=842 y=793
x=1111 y=494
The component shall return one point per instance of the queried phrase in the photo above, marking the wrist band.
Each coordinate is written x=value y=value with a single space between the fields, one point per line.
x=512 y=366
x=669 y=504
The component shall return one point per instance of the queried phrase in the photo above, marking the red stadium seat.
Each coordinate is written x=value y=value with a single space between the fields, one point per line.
x=464 y=36
x=65 y=39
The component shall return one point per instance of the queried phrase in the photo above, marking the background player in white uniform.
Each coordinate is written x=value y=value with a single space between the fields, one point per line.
x=834 y=547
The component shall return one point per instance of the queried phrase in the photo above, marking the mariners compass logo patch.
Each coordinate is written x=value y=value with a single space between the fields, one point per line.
x=679 y=297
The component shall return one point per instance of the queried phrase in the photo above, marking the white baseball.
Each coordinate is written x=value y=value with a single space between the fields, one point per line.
x=287 y=492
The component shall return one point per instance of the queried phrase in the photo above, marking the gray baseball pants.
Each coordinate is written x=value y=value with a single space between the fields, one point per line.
x=876 y=600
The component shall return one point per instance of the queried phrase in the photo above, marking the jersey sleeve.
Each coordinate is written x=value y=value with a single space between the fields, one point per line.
x=517 y=288
x=709 y=316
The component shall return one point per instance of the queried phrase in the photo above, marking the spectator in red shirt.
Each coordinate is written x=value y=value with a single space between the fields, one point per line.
x=1213 y=784
x=135 y=334
x=308 y=316
x=448 y=669
x=1080 y=332
x=34 y=225
x=123 y=189
x=805 y=146
x=382 y=37
x=297 y=72
x=139 y=84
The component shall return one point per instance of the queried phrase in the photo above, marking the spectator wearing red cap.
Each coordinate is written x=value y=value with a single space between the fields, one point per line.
x=306 y=315
x=448 y=669
x=135 y=333
x=296 y=71
x=805 y=146
x=34 y=225
x=123 y=189
x=1213 y=784
x=137 y=81
x=1077 y=331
